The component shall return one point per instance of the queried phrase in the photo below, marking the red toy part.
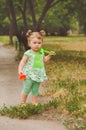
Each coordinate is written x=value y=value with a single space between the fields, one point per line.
x=22 y=76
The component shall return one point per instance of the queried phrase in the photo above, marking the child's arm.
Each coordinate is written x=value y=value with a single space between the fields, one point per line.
x=21 y=64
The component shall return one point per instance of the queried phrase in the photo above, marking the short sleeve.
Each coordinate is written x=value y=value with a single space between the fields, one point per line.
x=27 y=53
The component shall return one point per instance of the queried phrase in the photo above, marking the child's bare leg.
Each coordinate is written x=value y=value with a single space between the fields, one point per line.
x=23 y=98
x=34 y=100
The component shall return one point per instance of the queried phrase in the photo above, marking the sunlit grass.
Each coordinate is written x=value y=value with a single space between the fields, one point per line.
x=4 y=39
x=68 y=39
x=66 y=43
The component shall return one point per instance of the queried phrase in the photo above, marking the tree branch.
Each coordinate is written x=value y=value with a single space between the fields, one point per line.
x=31 y=5
x=55 y=2
x=45 y=9
x=25 y=3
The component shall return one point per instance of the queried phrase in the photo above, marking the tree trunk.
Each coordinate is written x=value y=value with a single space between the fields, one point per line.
x=45 y=9
x=14 y=29
x=12 y=16
x=11 y=34
x=23 y=12
x=31 y=6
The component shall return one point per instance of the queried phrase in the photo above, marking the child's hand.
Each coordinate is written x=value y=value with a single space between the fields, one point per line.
x=19 y=72
x=53 y=53
x=22 y=76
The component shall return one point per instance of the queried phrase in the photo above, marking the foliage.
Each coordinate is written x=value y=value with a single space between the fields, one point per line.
x=4 y=21
x=81 y=14
x=59 y=15
x=61 y=21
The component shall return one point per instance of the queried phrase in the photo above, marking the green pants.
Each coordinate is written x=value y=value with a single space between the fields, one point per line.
x=31 y=86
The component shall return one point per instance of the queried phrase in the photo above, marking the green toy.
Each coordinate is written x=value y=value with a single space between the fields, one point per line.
x=47 y=51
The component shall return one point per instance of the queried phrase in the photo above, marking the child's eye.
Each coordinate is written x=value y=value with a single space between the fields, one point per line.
x=39 y=42
x=34 y=42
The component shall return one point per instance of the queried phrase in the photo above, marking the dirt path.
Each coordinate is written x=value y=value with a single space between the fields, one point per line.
x=10 y=88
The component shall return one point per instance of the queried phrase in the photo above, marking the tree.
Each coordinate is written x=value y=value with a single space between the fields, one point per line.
x=36 y=23
x=58 y=20
x=47 y=6
x=51 y=15
x=14 y=27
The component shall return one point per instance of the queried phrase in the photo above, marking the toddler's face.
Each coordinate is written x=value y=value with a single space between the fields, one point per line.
x=35 y=44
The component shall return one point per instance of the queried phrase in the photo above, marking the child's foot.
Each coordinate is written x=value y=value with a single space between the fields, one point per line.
x=22 y=104
x=34 y=103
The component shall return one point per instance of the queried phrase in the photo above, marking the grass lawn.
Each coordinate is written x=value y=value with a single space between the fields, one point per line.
x=67 y=79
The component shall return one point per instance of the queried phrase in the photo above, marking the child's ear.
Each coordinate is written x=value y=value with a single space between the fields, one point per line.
x=42 y=33
x=29 y=32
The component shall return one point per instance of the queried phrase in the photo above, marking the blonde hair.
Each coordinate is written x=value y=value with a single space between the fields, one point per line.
x=39 y=35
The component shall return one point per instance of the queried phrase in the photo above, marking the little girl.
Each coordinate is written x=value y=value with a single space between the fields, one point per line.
x=32 y=65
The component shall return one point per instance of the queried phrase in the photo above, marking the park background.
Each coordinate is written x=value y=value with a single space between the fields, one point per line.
x=65 y=24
